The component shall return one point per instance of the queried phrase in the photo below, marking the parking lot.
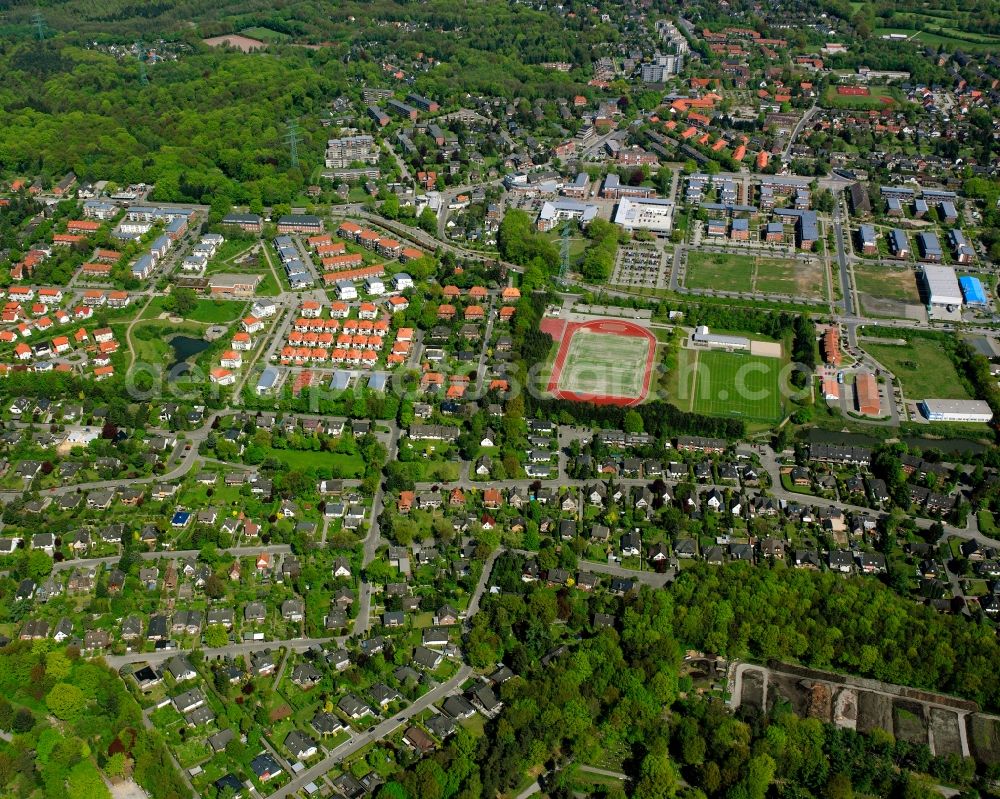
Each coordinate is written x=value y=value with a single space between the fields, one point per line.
x=640 y=265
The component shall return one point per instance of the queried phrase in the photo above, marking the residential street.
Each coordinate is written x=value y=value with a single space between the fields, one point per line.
x=381 y=730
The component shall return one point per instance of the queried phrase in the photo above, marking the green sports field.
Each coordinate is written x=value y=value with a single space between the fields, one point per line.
x=737 y=384
x=602 y=363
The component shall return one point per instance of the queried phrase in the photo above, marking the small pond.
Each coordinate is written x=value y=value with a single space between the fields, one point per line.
x=185 y=348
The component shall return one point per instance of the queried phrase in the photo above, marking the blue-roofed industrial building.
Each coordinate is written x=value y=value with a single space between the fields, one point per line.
x=972 y=290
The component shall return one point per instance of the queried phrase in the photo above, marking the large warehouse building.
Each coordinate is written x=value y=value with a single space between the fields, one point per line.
x=953 y=410
x=941 y=286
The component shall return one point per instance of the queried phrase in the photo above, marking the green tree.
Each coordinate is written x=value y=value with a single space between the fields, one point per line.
x=66 y=701
x=216 y=636
x=116 y=765
x=184 y=300
x=633 y=422
x=85 y=782
x=39 y=565
x=428 y=221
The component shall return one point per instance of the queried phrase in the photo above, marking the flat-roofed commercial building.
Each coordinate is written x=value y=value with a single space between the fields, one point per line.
x=954 y=410
x=234 y=285
x=941 y=286
x=645 y=214
x=702 y=337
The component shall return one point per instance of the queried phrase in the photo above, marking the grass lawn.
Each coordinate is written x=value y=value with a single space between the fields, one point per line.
x=216 y=312
x=340 y=464
x=949 y=37
x=719 y=271
x=265 y=34
x=191 y=752
x=268 y=286
x=602 y=363
x=729 y=384
x=749 y=273
x=577 y=243
x=887 y=282
x=923 y=367
x=987 y=524
x=475 y=725
x=150 y=340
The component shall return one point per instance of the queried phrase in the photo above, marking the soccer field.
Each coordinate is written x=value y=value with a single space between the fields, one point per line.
x=602 y=363
x=735 y=384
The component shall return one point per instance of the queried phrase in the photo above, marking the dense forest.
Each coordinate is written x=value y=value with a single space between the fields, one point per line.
x=856 y=626
x=620 y=697
x=69 y=718
x=211 y=126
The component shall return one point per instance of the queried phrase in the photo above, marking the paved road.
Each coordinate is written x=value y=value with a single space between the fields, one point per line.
x=371 y=542
x=381 y=730
x=237 y=552
x=650 y=578
x=477 y=595
x=230 y=651
x=798 y=129
x=187 y=461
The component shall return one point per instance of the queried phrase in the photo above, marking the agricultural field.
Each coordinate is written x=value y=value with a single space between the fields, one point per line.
x=719 y=383
x=747 y=273
x=923 y=368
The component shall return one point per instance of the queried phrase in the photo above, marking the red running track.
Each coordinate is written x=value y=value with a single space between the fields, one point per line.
x=615 y=327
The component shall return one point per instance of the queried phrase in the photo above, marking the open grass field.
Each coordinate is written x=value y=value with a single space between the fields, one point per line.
x=266 y=35
x=216 y=312
x=886 y=282
x=603 y=363
x=719 y=271
x=931 y=30
x=749 y=273
x=718 y=383
x=923 y=367
x=340 y=464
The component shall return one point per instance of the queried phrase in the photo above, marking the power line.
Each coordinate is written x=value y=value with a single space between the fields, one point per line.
x=140 y=54
x=292 y=137
x=40 y=27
